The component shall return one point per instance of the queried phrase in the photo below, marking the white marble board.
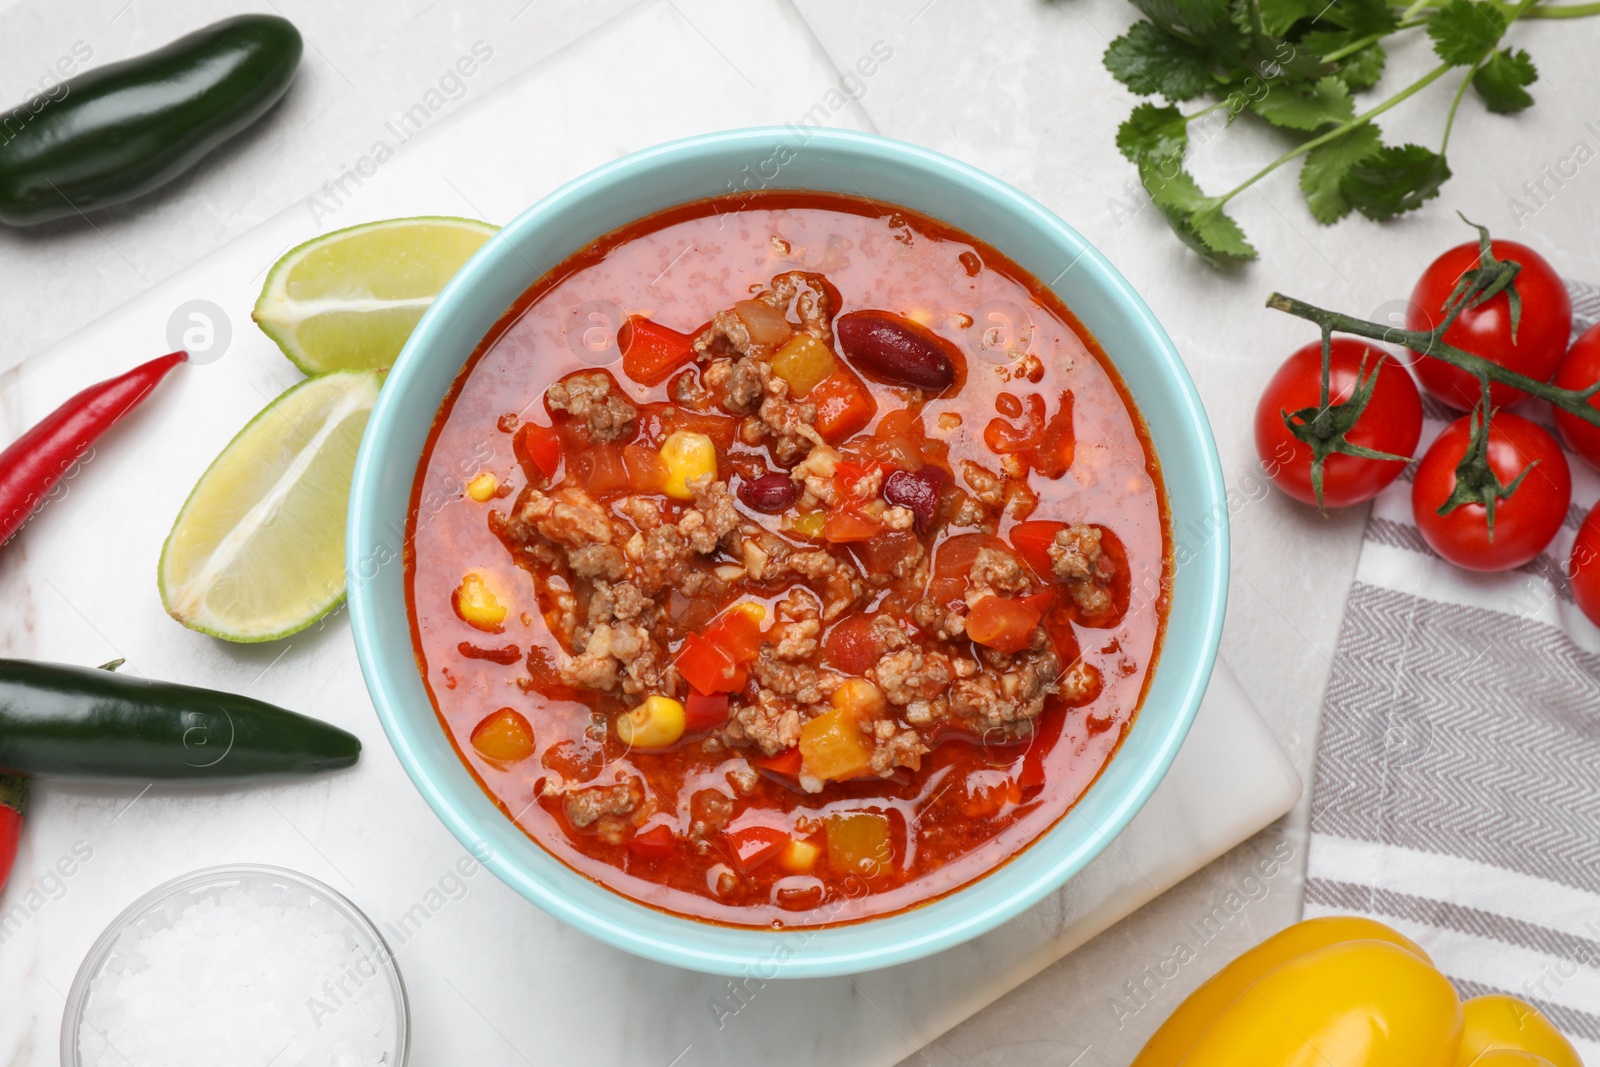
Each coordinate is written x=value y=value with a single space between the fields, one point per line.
x=492 y=980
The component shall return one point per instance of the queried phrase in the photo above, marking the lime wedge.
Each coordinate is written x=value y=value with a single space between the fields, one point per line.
x=257 y=552
x=349 y=299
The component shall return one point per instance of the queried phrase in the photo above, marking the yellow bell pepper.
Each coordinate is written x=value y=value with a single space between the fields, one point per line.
x=1347 y=992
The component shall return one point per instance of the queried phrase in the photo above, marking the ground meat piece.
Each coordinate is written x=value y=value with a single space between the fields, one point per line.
x=594 y=397
x=889 y=634
x=842 y=585
x=987 y=487
x=911 y=674
x=661 y=556
x=1078 y=683
x=1007 y=702
x=794 y=636
x=763 y=553
x=799 y=681
x=945 y=623
x=607 y=648
x=898 y=518
x=815 y=475
x=709 y=812
x=901 y=748
x=597 y=561
x=969 y=512
x=568 y=517
x=994 y=570
x=786 y=424
x=745 y=385
x=809 y=295
x=1077 y=559
x=772 y=723
x=712 y=518
x=586 y=806
x=727 y=337
x=744 y=779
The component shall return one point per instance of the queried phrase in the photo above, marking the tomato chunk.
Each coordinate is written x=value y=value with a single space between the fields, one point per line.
x=843 y=526
x=738 y=632
x=1004 y=623
x=651 y=351
x=705 y=712
x=852 y=646
x=1032 y=540
x=755 y=845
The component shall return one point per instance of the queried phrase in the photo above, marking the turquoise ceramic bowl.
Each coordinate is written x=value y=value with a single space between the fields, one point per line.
x=671 y=174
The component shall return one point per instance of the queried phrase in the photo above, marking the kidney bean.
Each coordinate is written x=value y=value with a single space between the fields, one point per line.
x=918 y=491
x=896 y=350
x=771 y=493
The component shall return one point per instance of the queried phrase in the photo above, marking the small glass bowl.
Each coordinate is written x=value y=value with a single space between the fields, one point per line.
x=209 y=881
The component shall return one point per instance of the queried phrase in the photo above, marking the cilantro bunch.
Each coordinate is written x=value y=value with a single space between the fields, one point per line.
x=1299 y=65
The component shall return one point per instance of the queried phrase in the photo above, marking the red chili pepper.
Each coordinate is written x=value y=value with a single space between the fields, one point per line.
x=36 y=461
x=13 y=803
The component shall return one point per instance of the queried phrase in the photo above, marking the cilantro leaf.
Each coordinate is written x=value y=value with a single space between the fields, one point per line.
x=1463 y=31
x=1196 y=218
x=1326 y=166
x=1394 y=180
x=1306 y=107
x=1277 y=16
x=1151 y=131
x=1148 y=61
x=1503 y=81
x=1362 y=18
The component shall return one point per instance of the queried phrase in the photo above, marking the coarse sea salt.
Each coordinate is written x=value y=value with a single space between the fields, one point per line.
x=257 y=971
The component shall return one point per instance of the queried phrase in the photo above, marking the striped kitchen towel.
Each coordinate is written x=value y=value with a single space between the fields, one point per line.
x=1457 y=791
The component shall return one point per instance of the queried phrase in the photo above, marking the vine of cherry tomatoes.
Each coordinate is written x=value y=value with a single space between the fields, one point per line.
x=1492 y=490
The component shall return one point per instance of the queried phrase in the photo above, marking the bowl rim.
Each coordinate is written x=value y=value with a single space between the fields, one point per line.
x=78 y=993
x=1205 y=612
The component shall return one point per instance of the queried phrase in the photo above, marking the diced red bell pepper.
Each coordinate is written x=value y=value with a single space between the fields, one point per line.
x=738 y=632
x=848 y=475
x=703 y=712
x=646 y=472
x=844 y=405
x=755 y=845
x=843 y=526
x=786 y=763
x=709 y=667
x=538 y=449
x=656 y=843
x=1003 y=623
x=651 y=351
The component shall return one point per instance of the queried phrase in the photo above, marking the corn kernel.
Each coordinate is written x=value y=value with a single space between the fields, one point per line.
x=477 y=604
x=803 y=362
x=656 y=723
x=687 y=456
x=482 y=487
x=798 y=857
x=809 y=524
x=859 y=697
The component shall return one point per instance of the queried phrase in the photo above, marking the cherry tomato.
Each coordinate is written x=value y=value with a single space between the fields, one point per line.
x=1391 y=422
x=1524 y=523
x=1584 y=571
x=1485 y=330
x=1580 y=370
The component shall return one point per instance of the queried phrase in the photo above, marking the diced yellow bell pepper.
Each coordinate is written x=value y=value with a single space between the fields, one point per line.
x=687 y=456
x=656 y=723
x=809 y=524
x=860 y=698
x=833 y=745
x=798 y=856
x=477 y=604
x=803 y=362
x=858 y=843
x=1499 y=1023
x=1349 y=992
x=481 y=488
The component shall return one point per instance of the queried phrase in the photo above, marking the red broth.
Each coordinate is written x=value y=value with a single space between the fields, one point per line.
x=973 y=801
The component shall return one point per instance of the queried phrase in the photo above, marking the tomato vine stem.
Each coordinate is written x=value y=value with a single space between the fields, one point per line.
x=1430 y=344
